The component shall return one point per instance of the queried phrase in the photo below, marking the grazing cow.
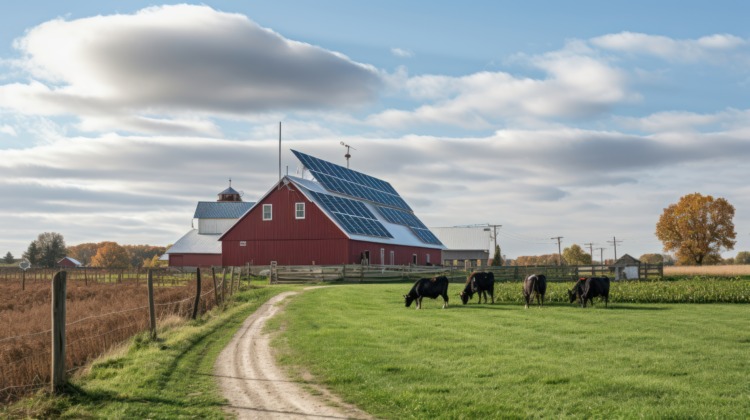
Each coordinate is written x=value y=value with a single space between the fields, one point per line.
x=479 y=283
x=535 y=284
x=586 y=289
x=431 y=288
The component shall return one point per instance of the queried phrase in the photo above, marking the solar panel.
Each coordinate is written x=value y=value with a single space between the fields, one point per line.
x=411 y=221
x=352 y=215
x=345 y=181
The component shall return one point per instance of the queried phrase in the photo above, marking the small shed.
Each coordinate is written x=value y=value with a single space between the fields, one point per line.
x=68 y=262
x=627 y=267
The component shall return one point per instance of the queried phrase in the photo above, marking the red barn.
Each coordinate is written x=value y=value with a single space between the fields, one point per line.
x=68 y=262
x=335 y=216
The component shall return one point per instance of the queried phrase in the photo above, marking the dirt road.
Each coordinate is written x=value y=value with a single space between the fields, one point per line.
x=257 y=389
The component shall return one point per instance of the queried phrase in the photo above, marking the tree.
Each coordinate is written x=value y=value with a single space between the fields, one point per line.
x=9 y=258
x=139 y=253
x=743 y=257
x=111 y=255
x=32 y=253
x=497 y=260
x=652 y=258
x=575 y=255
x=83 y=252
x=697 y=228
x=154 y=262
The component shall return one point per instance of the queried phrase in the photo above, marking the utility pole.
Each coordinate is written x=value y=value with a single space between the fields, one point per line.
x=601 y=255
x=559 y=251
x=591 y=250
x=494 y=234
x=614 y=242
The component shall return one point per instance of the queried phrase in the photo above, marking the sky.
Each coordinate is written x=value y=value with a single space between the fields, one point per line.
x=581 y=120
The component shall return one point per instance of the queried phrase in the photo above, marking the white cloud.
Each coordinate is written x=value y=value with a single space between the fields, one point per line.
x=576 y=86
x=400 y=52
x=689 y=50
x=6 y=129
x=164 y=63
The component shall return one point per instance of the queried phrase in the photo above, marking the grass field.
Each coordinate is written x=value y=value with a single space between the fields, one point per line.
x=499 y=361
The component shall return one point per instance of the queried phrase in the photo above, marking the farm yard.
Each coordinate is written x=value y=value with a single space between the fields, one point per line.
x=652 y=353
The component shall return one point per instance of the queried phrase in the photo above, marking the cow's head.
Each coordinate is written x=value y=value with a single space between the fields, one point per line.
x=408 y=299
x=572 y=295
x=465 y=295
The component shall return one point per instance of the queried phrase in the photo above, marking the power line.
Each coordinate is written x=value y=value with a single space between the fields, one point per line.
x=601 y=254
x=591 y=249
x=614 y=242
x=559 y=250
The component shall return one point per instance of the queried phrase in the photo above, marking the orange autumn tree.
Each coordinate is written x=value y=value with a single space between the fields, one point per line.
x=111 y=255
x=697 y=228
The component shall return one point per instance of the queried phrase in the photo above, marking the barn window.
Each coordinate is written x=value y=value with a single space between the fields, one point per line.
x=427 y=258
x=382 y=256
x=268 y=212
x=414 y=259
x=393 y=258
x=299 y=210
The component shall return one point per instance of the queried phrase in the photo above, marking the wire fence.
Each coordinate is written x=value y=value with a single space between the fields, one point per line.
x=100 y=315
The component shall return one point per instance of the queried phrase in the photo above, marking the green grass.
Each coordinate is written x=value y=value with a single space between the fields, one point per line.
x=168 y=378
x=491 y=361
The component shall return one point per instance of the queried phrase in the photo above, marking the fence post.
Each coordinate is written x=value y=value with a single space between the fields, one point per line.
x=151 y=308
x=231 y=284
x=223 y=284
x=216 y=290
x=58 y=332
x=23 y=280
x=197 y=292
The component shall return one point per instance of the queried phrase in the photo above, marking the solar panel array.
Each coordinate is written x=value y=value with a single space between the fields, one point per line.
x=352 y=215
x=352 y=183
x=411 y=221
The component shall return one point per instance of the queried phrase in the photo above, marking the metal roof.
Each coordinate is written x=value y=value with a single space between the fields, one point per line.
x=402 y=235
x=195 y=243
x=464 y=238
x=221 y=209
x=228 y=191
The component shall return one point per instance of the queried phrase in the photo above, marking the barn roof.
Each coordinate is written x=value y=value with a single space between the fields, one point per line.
x=195 y=243
x=221 y=209
x=73 y=260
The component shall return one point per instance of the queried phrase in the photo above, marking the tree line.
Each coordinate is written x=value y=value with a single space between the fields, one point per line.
x=49 y=248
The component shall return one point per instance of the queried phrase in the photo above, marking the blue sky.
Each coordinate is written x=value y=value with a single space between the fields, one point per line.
x=576 y=119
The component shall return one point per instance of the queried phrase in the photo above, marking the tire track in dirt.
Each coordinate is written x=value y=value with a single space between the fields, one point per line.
x=257 y=389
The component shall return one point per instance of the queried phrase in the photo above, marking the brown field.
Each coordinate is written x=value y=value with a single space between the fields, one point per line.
x=707 y=270
x=99 y=316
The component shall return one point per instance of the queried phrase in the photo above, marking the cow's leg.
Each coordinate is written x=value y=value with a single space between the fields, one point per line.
x=526 y=298
x=419 y=302
x=445 y=300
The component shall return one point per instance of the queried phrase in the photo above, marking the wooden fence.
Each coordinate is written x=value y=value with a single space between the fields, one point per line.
x=356 y=273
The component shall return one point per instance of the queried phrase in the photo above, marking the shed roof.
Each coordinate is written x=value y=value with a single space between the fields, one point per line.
x=196 y=243
x=73 y=260
x=626 y=260
x=221 y=209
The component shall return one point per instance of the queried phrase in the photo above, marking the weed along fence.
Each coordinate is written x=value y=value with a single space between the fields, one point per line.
x=383 y=273
x=92 y=311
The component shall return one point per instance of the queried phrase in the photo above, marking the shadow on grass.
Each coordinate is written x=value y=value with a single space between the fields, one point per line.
x=99 y=398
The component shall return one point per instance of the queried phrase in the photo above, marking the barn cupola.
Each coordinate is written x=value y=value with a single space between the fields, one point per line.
x=230 y=194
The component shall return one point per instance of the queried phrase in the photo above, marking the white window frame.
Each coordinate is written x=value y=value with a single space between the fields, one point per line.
x=427 y=258
x=297 y=208
x=270 y=211
x=393 y=258
x=382 y=256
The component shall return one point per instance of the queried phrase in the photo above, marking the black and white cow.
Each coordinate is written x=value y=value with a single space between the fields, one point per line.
x=586 y=289
x=535 y=284
x=479 y=283
x=431 y=288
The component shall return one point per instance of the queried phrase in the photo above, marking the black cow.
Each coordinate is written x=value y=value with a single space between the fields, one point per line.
x=431 y=288
x=535 y=284
x=479 y=283
x=586 y=289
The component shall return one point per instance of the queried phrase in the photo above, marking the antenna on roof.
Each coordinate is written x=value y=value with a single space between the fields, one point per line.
x=347 y=155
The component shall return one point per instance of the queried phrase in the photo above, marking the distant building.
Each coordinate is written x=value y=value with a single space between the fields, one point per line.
x=68 y=262
x=334 y=215
x=201 y=246
x=627 y=267
x=464 y=244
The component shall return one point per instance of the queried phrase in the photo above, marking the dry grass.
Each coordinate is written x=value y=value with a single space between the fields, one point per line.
x=99 y=317
x=707 y=270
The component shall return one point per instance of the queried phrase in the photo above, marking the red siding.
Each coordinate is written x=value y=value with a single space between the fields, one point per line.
x=194 y=260
x=66 y=263
x=312 y=240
